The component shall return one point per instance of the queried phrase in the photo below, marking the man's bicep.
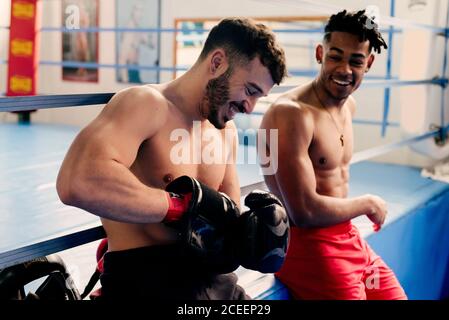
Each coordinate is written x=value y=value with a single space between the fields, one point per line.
x=103 y=140
x=120 y=129
x=295 y=176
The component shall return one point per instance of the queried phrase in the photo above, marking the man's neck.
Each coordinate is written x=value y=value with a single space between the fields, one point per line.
x=187 y=93
x=325 y=98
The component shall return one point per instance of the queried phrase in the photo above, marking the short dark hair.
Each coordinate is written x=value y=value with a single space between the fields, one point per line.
x=357 y=23
x=243 y=39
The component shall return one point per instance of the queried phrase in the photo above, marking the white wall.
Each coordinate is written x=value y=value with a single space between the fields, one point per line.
x=370 y=101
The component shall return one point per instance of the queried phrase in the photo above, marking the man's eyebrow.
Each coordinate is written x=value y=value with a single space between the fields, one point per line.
x=358 y=55
x=354 y=55
x=337 y=49
x=255 y=86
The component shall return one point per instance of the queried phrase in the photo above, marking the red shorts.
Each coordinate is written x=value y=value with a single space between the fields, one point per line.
x=336 y=263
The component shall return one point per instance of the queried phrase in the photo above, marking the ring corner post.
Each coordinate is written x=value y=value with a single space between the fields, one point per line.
x=23 y=51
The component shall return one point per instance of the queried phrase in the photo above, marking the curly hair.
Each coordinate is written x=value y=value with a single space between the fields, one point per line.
x=243 y=39
x=356 y=23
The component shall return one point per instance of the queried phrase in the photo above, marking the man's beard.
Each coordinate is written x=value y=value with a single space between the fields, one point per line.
x=215 y=97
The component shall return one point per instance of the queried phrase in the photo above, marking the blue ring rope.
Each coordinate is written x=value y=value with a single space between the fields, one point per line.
x=444 y=87
x=56 y=101
x=354 y=121
x=380 y=150
x=387 y=91
x=93 y=65
x=381 y=83
x=24 y=103
x=327 y=9
x=362 y=155
x=160 y=30
x=174 y=30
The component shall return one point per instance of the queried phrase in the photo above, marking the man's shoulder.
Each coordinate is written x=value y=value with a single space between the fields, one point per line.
x=142 y=99
x=288 y=108
x=144 y=93
x=138 y=107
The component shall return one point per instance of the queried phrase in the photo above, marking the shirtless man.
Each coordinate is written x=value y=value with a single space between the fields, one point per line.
x=327 y=258
x=171 y=234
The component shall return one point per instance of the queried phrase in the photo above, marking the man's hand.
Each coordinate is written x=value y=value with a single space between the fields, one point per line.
x=263 y=233
x=377 y=210
x=205 y=220
x=212 y=228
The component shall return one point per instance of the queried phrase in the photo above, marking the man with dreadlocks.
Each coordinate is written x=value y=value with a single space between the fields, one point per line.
x=327 y=258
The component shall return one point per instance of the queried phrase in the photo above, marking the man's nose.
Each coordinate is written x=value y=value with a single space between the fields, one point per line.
x=250 y=104
x=344 y=68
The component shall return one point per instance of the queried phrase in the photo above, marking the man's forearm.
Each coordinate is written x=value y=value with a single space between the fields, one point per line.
x=322 y=211
x=111 y=191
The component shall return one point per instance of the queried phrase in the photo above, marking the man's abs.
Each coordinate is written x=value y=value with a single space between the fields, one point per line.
x=123 y=236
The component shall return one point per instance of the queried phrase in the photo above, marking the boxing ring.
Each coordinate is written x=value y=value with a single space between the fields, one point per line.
x=35 y=223
x=414 y=241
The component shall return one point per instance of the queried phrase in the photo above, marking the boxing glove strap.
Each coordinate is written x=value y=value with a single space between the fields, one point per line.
x=177 y=206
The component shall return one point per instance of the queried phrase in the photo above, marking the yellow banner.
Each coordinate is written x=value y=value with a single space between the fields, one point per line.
x=23 y=10
x=20 y=84
x=22 y=47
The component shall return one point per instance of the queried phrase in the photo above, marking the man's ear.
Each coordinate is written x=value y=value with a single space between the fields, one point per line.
x=218 y=63
x=319 y=53
x=370 y=62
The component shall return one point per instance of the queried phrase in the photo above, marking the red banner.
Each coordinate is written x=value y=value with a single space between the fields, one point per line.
x=23 y=48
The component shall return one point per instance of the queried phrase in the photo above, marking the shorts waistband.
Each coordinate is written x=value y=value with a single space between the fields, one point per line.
x=340 y=228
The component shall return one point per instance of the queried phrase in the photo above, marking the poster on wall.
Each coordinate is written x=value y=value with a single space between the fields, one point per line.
x=81 y=46
x=135 y=49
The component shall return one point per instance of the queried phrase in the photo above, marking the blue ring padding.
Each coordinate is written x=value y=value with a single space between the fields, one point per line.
x=44 y=248
x=24 y=103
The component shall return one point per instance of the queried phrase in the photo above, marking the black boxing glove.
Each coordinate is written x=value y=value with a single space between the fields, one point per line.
x=263 y=233
x=204 y=218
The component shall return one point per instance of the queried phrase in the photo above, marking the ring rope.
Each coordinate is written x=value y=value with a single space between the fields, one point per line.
x=385 y=19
